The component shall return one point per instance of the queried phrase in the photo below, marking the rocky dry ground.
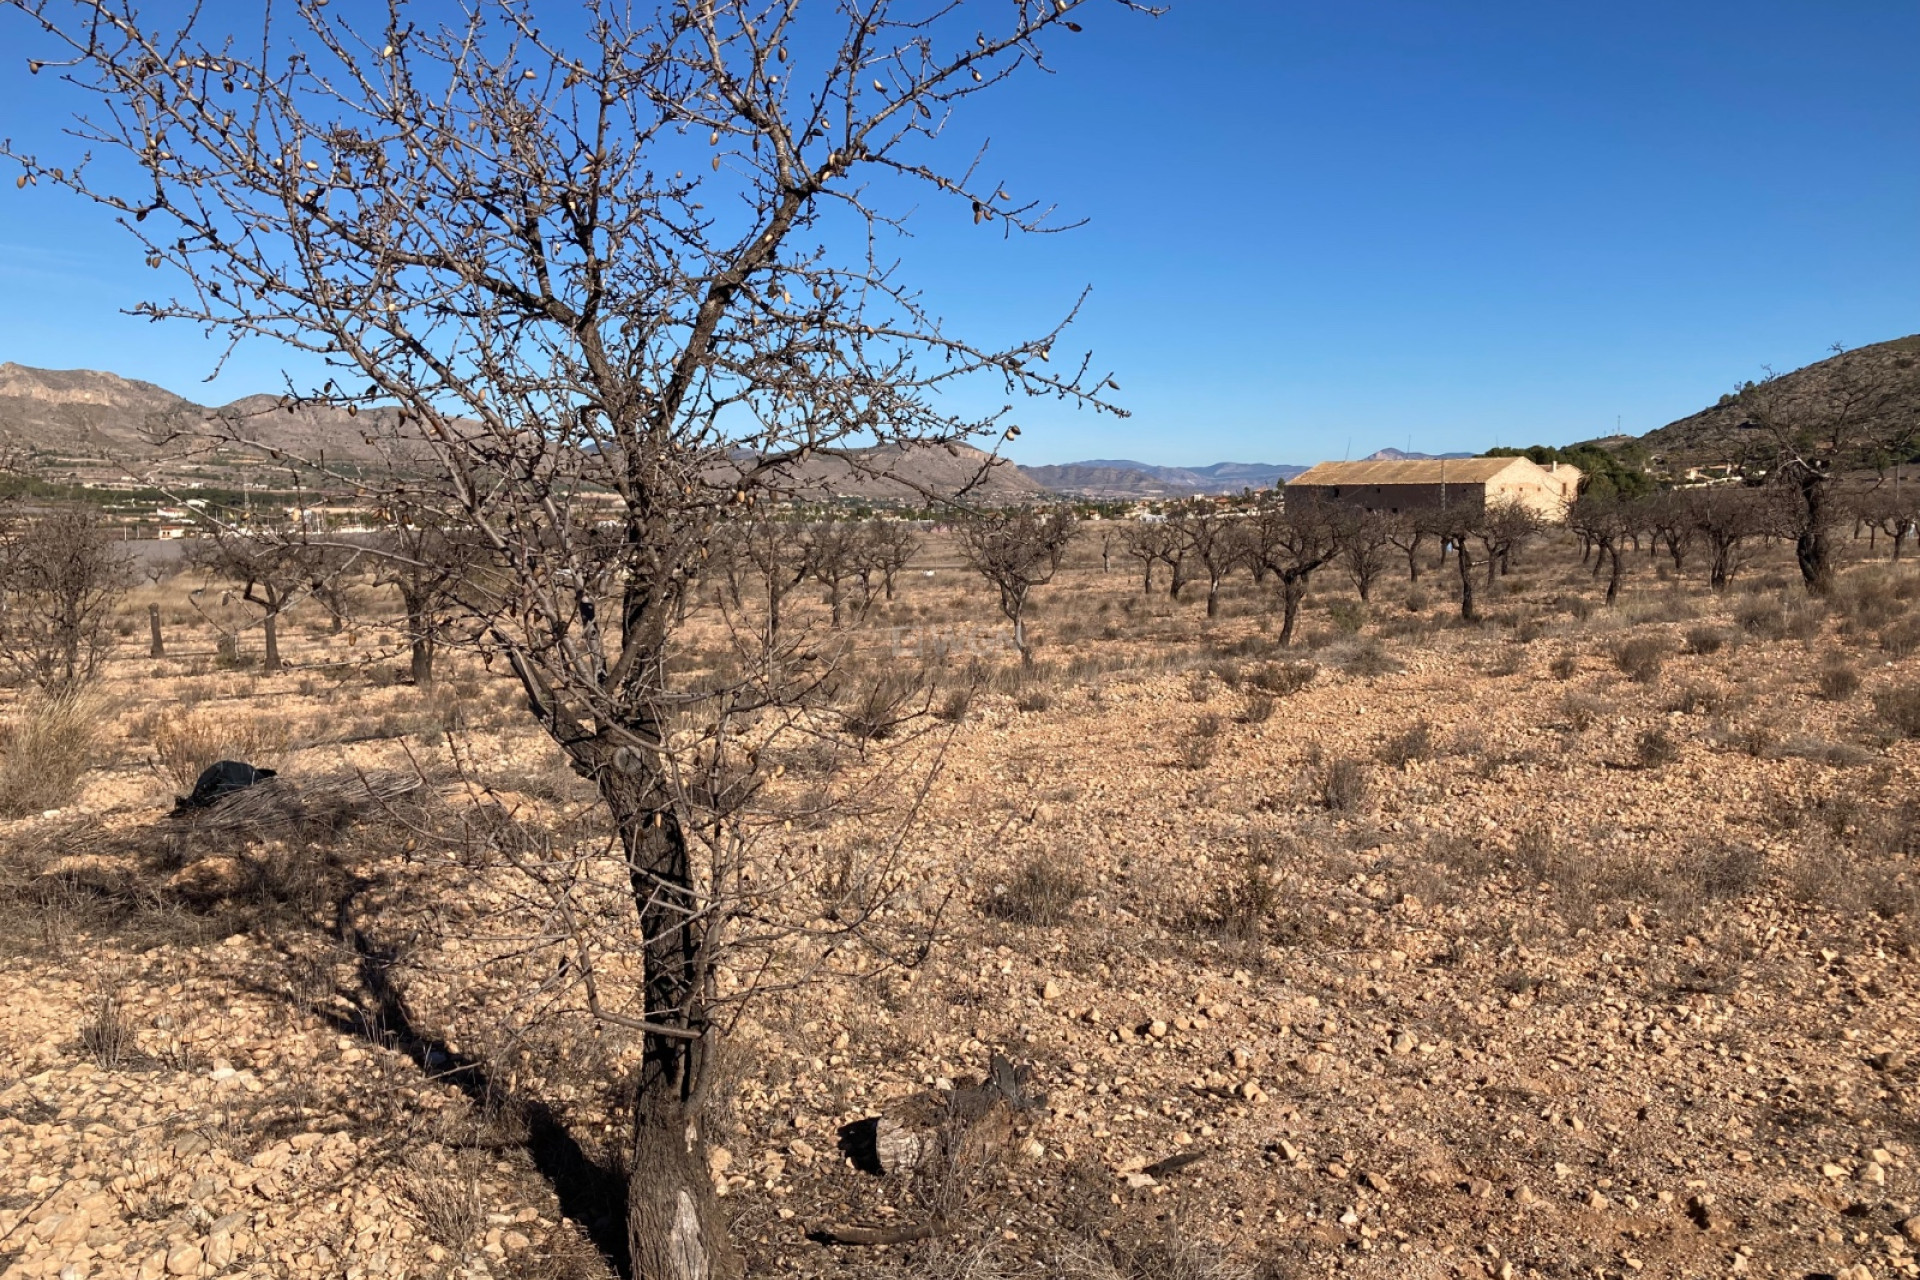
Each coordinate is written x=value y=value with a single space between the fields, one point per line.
x=1462 y=952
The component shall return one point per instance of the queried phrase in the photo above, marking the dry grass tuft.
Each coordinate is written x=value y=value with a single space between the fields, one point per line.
x=186 y=741
x=1641 y=658
x=107 y=1036
x=49 y=746
x=1043 y=892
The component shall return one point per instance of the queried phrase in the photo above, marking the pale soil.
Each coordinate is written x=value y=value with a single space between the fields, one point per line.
x=1526 y=1007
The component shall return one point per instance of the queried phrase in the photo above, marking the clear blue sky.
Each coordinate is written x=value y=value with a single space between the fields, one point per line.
x=1321 y=228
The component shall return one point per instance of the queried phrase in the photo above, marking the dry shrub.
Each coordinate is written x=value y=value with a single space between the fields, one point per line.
x=1655 y=748
x=1705 y=640
x=107 y=1036
x=1370 y=658
x=1244 y=908
x=1733 y=872
x=1176 y=1252
x=1564 y=665
x=1198 y=744
x=953 y=708
x=1043 y=892
x=188 y=740
x=1034 y=700
x=1345 y=784
x=1763 y=618
x=1415 y=744
x=446 y=1196
x=50 y=744
x=1259 y=709
x=881 y=705
x=1641 y=658
x=1582 y=711
x=1698 y=699
x=1284 y=678
x=1837 y=681
x=1902 y=639
x=1899 y=709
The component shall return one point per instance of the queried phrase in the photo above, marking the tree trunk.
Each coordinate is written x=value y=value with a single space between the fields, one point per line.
x=1213 y=597
x=156 y=647
x=270 y=631
x=1464 y=559
x=674 y=1227
x=1810 y=545
x=1614 y=556
x=1292 y=591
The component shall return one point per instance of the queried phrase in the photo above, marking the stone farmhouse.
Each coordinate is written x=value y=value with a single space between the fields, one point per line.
x=1425 y=484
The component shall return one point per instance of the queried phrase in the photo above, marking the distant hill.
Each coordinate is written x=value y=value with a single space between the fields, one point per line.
x=1401 y=455
x=1888 y=373
x=1123 y=478
x=82 y=415
x=896 y=473
x=80 y=423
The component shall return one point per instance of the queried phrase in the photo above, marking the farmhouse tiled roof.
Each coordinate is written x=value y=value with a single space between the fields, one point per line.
x=1406 y=471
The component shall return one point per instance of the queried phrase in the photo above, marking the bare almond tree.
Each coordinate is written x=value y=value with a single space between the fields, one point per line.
x=1364 y=542
x=1293 y=538
x=1212 y=541
x=598 y=273
x=433 y=571
x=265 y=568
x=1609 y=522
x=1729 y=517
x=884 y=549
x=1150 y=542
x=1810 y=428
x=1016 y=551
x=1408 y=531
x=62 y=572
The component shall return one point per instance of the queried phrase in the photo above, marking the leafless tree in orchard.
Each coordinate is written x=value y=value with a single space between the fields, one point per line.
x=770 y=554
x=829 y=558
x=1150 y=543
x=1728 y=517
x=599 y=270
x=1212 y=541
x=1609 y=522
x=62 y=571
x=1669 y=517
x=330 y=567
x=1409 y=531
x=268 y=569
x=1891 y=509
x=433 y=571
x=1016 y=551
x=884 y=549
x=1363 y=548
x=1504 y=529
x=1810 y=429
x=1457 y=526
x=1292 y=539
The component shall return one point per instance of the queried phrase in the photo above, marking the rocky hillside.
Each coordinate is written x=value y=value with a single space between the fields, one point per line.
x=85 y=414
x=79 y=412
x=1880 y=383
x=897 y=473
x=77 y=421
